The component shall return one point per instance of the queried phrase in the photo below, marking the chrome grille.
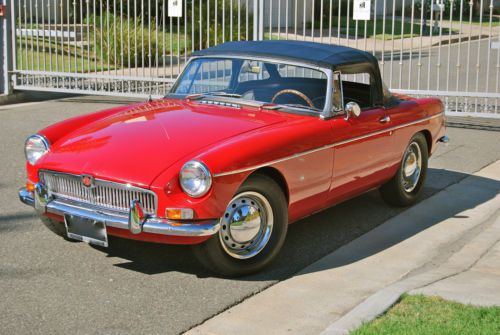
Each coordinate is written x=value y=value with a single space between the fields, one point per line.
x=104 y=194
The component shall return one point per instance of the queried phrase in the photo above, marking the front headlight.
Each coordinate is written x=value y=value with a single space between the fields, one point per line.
x=195 y=179
x=35 y=147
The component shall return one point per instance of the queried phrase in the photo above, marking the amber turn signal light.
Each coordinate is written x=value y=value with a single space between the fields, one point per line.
x=30 y=187
x=179 y=213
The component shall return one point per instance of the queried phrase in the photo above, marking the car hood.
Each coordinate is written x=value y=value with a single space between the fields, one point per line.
x=137 y=143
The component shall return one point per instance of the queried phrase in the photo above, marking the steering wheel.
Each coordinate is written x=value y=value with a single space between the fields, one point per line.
x=297 y=93
x=319 y=102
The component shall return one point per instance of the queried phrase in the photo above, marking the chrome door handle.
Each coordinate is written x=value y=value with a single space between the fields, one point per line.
x=385 y=119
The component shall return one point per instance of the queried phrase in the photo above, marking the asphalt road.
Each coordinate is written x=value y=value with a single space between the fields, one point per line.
x=48 y=285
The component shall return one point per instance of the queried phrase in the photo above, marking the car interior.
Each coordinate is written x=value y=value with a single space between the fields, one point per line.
x=312 y=88
x=274 y=83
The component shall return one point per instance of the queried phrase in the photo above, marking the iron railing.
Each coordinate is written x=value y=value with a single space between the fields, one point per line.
x=445 y=48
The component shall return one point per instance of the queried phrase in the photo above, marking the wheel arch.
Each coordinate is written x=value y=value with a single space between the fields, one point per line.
x=428 y=139
x=275 y=175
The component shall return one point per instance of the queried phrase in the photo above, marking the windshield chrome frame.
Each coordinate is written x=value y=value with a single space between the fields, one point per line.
x=327 y=111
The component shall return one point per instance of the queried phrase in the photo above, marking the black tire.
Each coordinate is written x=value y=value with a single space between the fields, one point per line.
x=394 y=192
x=56 y=227
x=212 y=253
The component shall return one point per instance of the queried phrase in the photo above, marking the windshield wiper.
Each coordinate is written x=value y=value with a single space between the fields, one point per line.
x=225 y=94
x=302 y=106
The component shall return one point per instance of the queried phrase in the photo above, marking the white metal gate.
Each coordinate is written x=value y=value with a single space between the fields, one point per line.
x=446 y=48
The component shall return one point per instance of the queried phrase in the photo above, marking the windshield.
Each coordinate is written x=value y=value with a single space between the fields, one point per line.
x=255 y=80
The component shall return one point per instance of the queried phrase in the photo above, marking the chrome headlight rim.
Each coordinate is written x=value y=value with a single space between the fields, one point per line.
x=45 y=143
x=207 y=180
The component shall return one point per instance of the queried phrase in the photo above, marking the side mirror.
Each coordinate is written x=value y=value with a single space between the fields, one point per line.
x=352 y=109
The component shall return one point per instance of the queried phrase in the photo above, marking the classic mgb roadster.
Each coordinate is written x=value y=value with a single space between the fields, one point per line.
x=252 y=136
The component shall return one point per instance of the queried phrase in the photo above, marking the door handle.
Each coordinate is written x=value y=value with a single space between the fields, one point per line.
x=385 y=119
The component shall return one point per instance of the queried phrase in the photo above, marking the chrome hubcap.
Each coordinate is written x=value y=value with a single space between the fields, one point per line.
x=246 y=225
x=412 y=166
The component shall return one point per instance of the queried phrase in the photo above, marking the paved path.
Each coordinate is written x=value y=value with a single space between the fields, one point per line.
x=479 y=286
x=380 y=43
x=48 y=285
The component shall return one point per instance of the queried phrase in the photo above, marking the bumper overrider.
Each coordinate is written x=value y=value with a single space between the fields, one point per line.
x=135 y=221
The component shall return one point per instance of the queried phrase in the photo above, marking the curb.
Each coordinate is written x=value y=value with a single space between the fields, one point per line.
x=31 y=96
x=381 y=301
x=473 y=245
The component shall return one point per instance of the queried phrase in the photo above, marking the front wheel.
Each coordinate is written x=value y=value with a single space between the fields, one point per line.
x=253 y=230
x=405 y=187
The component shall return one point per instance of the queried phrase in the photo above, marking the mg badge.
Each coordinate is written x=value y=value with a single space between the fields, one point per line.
x=88 y=181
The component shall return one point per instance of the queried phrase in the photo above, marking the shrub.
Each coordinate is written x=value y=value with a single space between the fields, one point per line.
x=115 y=34
x=446 y=12
x=228 y=34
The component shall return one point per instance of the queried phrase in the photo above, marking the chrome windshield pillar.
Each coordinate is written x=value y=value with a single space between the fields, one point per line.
x=328 y=108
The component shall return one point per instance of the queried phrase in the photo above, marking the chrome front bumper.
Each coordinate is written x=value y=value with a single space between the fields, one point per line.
x=149 y=224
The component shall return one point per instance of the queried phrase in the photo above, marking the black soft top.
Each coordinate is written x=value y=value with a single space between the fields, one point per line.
x=335 y=57
x=319 y=54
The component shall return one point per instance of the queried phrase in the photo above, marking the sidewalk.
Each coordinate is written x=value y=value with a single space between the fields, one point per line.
x=453 y=234
x=480 y=285
x=380 y=44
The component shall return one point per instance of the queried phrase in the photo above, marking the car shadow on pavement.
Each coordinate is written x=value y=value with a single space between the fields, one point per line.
x=16 y=221
x=308 y=239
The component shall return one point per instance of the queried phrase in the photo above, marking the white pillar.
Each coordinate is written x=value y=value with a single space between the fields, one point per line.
x=6 y=49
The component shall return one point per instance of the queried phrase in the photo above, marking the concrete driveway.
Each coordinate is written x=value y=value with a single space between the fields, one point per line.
x=48 y=285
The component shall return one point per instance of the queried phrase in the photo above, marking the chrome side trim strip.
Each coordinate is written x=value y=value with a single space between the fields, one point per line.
x=255 y=167
x=328 y=146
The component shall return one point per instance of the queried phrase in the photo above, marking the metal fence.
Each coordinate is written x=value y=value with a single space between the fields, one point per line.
x=446 y=48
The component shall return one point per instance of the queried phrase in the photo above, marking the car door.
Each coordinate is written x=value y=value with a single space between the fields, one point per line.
x=363 y=150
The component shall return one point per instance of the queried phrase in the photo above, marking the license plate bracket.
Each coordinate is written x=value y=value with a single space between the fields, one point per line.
x=86 y=230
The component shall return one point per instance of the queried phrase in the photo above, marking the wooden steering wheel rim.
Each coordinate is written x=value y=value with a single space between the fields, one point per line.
x=298 y=93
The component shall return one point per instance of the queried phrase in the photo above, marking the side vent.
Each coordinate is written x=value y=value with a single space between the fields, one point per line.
x=219 y=103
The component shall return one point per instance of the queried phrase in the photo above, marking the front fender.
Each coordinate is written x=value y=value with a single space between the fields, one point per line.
x=212 y=205
x=233 y=160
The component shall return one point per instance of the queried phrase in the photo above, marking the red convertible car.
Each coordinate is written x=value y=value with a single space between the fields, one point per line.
x=252 y=136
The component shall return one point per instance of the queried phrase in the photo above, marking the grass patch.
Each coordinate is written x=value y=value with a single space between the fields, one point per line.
x=418 y=314
x=43 y=60
x=44 y=54
x=40 y=55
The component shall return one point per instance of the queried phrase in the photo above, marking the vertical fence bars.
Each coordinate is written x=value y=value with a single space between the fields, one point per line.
x=448 y=48
x=117 y=47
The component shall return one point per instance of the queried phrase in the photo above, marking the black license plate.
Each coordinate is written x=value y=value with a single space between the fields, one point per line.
x=86 y=230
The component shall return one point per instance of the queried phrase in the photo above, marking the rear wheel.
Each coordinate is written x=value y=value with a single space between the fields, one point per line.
x=405 y=187
x=253 y=229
